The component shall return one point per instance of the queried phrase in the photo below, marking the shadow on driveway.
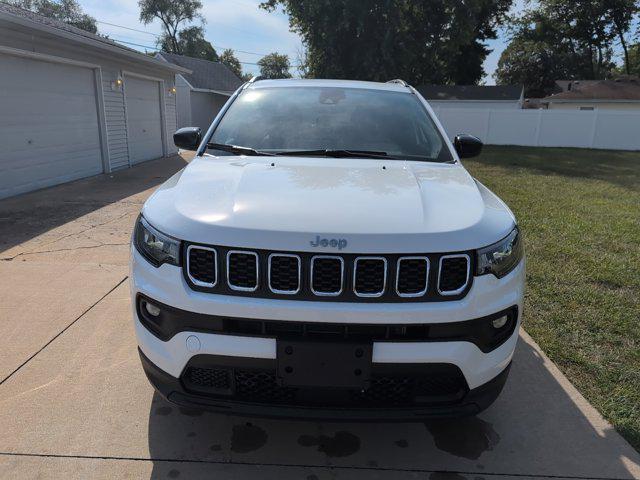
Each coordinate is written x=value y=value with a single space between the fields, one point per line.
x=26 y=216
x=540 y=426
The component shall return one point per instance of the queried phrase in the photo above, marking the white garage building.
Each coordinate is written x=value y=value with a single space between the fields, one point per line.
x=74 y=104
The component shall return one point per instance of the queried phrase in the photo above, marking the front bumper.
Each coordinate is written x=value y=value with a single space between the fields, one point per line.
x=474 y=401
x=484 y=373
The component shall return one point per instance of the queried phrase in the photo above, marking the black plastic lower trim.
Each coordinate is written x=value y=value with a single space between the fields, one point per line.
x=171 y=388
x=478 y=331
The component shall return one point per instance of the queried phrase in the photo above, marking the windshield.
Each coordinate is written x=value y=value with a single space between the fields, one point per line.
x=295 y=119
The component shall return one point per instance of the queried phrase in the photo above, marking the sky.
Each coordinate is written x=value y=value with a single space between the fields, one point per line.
x=238 y=24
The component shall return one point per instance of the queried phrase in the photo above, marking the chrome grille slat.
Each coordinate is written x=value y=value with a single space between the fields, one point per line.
x=403 y=282
x=318 y=283
x=277 y=277
x=447 y=262
x=366 y=278
x=198 y=262
x=243 y=280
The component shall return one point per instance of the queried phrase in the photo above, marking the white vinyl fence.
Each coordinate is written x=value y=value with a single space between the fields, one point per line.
x=617 y=130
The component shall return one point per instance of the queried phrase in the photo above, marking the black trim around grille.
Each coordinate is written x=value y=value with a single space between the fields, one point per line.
x=321 y=284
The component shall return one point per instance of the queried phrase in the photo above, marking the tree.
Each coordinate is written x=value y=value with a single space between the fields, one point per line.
x=565 y=39
x=418 y=41
x=534 y=64
x=191 y=43
x=172 y=14
x=621 y=14
x=67 y=11
x=274 y=65
x=229 y=58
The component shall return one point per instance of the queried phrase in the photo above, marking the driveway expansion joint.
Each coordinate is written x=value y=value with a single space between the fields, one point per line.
x=63 y=330
x=9 y=259
x=293 y=465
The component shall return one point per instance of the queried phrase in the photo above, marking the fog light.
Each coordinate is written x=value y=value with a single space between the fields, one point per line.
x=500 y=321
x=152 y=309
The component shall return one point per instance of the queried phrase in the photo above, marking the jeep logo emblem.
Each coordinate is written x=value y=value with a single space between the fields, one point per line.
x=338 y=243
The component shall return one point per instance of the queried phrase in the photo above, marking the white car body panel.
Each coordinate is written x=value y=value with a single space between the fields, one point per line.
x=369 y=206
x=406 y=207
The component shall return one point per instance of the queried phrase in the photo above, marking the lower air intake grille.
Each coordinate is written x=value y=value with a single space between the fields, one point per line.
x=208 y=378
x=454 y=274
x=444 y=384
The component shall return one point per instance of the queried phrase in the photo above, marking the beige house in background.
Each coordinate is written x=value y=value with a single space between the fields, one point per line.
x=622 y=93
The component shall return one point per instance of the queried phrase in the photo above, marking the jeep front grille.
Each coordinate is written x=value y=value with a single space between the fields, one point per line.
x=339 y=278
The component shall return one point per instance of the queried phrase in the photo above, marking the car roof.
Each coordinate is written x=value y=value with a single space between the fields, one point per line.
x=296 y=82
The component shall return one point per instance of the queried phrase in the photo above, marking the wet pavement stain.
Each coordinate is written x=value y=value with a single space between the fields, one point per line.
x=312 y=477
x=446 y=476
x=247 y=438
x=163 y=411
x=215 y=448
x=372 y=463
x=342 y=444
x=191 y=434
x=402 y=443
x=174 y=473
x=467 y=437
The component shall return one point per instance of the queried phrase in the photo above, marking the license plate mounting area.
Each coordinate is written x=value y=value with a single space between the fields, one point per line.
x=324 y=364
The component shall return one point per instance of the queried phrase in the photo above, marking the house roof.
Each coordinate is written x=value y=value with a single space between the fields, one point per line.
x=204 y=74
x=623 y=88
x=471 y=92
x=30 y=19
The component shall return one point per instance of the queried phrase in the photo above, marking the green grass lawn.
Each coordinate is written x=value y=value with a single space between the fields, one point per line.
x=580 y=213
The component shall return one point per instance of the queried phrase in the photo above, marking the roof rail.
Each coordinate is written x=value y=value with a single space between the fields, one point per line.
x=255 y=78
x=399 y=81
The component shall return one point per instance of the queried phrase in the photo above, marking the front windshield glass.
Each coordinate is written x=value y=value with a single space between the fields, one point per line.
x=289 y=119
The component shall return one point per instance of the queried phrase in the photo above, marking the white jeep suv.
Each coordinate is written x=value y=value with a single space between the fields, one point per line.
x=326 y=255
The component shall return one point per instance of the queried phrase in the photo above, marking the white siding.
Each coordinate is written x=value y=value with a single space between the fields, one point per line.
x=115 y=120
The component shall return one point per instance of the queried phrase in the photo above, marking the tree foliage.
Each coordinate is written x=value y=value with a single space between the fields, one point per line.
x=419 y=41
x=565 y=39
x=228 y=57
x=67 y=11
x=177 y=38
x=274 y=65
x=191 y=43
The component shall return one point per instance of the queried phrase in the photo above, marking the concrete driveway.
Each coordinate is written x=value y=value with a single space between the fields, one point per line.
x=74 y=402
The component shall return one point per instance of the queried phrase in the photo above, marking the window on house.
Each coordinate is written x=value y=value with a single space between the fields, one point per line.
x=587 y=108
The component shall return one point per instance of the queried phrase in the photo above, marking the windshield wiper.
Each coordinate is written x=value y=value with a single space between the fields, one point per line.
x=238 y=149
x=335 y=153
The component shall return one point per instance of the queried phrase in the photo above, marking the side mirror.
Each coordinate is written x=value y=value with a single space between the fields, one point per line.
x=187 y=138
x=467 y=146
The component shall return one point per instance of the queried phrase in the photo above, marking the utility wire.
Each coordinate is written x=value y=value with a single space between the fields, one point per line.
x=156 y=48
x=158 y=36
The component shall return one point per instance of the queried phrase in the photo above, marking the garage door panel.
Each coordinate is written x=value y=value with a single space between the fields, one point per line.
x=49 y=127
x=143 y=119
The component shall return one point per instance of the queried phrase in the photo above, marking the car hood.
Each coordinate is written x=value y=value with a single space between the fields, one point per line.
x=288 y=203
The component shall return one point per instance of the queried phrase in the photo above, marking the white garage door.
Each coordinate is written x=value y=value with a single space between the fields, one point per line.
x=49 y=130
x=143 y=119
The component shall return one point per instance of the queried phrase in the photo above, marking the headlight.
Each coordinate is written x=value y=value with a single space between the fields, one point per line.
x=156 y=247
x=502 y=257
